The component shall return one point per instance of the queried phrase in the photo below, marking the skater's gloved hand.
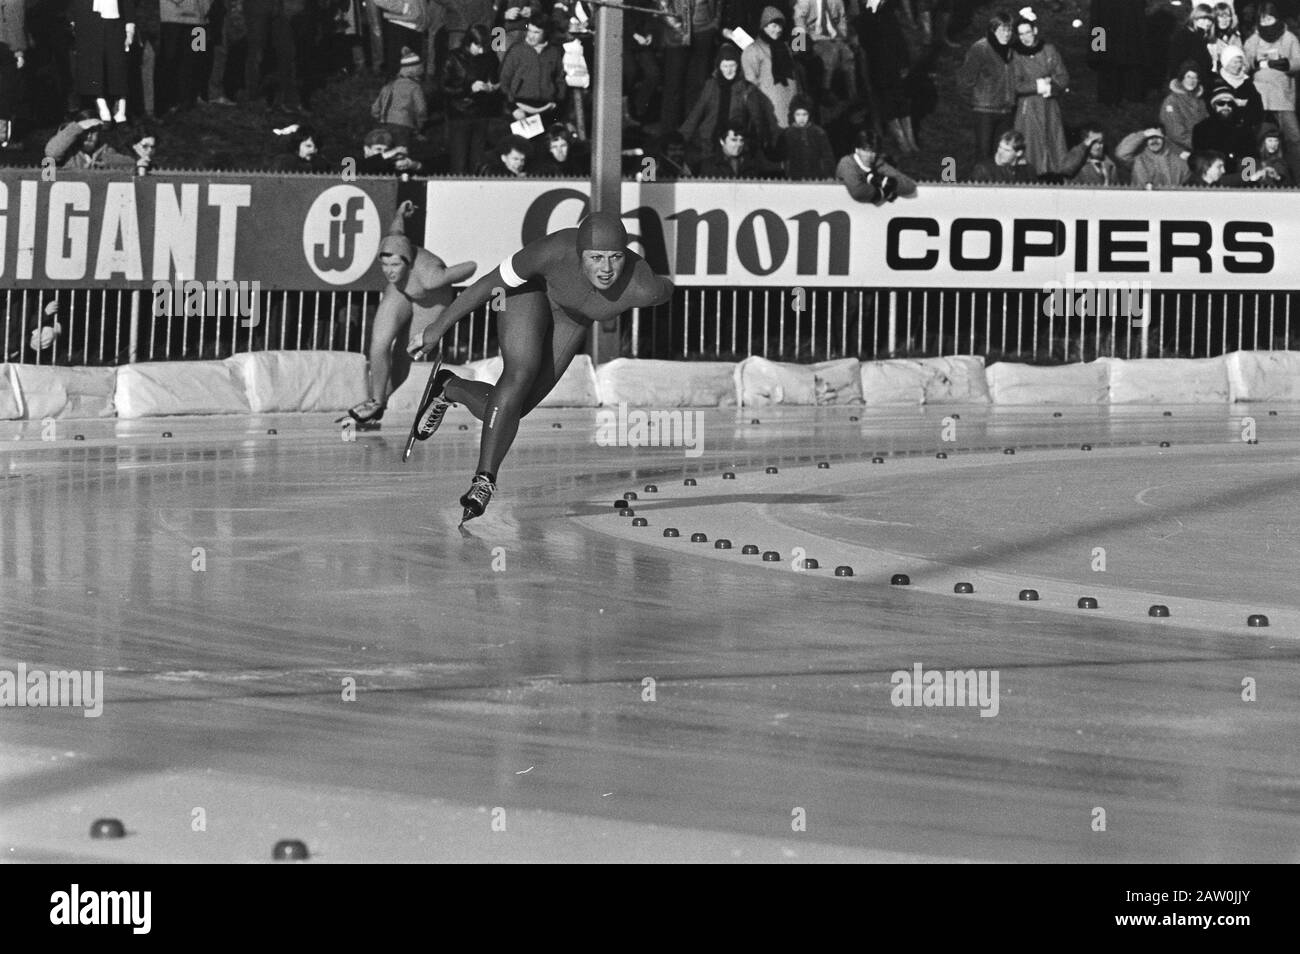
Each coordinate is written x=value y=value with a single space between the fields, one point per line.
x=407 y=209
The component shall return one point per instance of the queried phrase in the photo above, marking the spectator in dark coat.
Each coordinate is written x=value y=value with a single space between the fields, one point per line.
x=888 y=60
x=1208 y=168
x=1192 y=42
x=726 y=99
x=471 y=91
x=301 y=152
x=559 y=159
x=1223 y=132
x=733 y=160
x=269 y=19
x=1008 y=164
x=381 y=156
x=511 y=162
x=1232 y=76
x=985 y=78
x=105 y=31
x=803 y=147
x=869 y=177
x=532 y=74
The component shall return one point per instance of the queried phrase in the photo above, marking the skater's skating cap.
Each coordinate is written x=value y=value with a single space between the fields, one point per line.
x=602 y=231
x=400 y=245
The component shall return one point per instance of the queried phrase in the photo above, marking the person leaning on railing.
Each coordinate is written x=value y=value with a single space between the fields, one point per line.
x=868 y=175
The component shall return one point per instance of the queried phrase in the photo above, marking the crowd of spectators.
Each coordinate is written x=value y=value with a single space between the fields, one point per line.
x=765 y=89
x=1228 y=117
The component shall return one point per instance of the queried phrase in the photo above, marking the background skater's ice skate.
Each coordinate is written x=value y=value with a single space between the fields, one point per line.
x=366 y=415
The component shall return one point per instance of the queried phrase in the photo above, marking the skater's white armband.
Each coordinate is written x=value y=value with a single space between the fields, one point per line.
x=509 y=275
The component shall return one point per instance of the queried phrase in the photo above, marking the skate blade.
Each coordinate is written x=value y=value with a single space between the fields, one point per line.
x=428 y=387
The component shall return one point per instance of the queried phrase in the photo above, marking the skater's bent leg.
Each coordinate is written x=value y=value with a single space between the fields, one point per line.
x=473 y=394
x=567 y=337
x=524 y=330
x=392 y=315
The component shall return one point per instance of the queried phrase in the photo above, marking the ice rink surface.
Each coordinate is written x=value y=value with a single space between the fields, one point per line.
x=297 y=641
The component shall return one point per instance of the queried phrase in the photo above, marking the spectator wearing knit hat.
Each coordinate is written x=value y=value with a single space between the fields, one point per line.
x=1273 y=52
x=769 y=66
x=1183 y=108
x=1155 y=162
x=405 y=25
x=1223 y=131
x=400 y=107
x=1233 y=76
x=803 y=147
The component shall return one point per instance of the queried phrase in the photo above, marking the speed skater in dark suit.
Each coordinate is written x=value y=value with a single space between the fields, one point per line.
x=554 y=289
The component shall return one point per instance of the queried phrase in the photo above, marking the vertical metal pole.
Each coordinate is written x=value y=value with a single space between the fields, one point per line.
x=607 y=149
x=133 y=352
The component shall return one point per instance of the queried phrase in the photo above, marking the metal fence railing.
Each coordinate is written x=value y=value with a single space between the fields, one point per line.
x=110 y=327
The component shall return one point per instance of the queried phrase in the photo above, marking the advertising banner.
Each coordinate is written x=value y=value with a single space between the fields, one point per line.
x=949 y=236
x=94 y=230
x=99 y=230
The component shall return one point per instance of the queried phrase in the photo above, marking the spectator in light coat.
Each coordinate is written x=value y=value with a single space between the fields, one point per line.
x=400 y=106
x=1183 y=108
x=1155 y=162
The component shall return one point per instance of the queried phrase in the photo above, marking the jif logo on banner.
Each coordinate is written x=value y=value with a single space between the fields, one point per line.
x=340 y=234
